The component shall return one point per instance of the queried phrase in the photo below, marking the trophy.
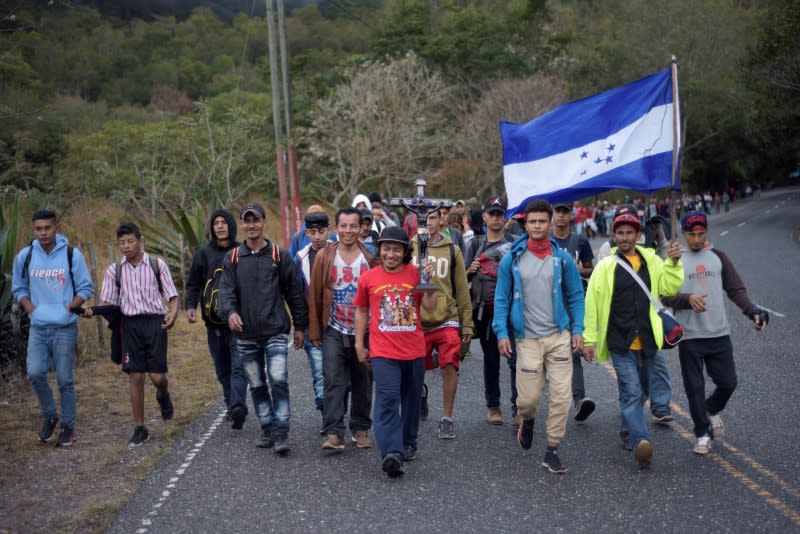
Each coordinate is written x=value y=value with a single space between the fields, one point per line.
x=421 y=207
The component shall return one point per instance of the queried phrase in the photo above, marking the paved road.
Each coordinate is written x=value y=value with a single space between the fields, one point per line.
x=215 y=480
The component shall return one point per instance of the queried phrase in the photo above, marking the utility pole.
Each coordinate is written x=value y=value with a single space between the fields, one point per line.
x=287 y=102
x=276 y=122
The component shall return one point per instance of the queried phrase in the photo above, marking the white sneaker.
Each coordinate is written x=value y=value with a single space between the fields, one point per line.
x=703 y=445
x=717 y=427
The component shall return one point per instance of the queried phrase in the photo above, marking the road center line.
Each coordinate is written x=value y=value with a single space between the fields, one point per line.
x=724 y=233
x=771 y=311
x=740 y=224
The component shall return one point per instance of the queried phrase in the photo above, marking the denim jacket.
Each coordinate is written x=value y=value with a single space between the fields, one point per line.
x=508 y=292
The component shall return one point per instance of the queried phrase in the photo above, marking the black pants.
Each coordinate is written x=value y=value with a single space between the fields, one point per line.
x=491 y=364
x=578 y=388
x=340 y=367
x=717 y=356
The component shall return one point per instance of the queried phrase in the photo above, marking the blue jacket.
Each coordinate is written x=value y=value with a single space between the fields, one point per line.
x=47 y=282
x=508 y=292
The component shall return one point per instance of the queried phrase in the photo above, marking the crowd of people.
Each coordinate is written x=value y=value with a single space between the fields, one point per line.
x=529 y=287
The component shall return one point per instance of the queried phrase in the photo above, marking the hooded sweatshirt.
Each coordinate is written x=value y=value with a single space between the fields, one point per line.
x=207 y=259
x=47 y=283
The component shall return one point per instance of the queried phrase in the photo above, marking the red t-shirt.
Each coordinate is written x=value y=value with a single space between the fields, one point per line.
x=395 y=324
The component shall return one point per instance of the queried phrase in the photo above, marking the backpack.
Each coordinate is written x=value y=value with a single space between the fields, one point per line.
x=485 y=279
x=153 y=265
x=210 y=297
x=27 y=263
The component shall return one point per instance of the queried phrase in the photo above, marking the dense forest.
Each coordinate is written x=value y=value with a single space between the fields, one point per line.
x=159 y=104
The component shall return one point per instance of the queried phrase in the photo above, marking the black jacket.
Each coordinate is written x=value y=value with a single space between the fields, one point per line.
x=206 y=260
x=260 y=291
x=630 y=311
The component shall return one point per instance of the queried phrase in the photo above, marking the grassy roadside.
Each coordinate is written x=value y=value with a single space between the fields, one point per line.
x=80 y=489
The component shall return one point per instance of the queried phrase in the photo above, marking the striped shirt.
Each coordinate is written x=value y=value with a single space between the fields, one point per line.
x=138 y=287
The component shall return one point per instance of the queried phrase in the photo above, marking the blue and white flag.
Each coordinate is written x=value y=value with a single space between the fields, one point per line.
x=619 y=139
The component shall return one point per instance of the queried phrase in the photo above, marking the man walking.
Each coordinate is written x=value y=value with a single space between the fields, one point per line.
x=709 y=275
x=388 y=306
x=622 y=323
x=202 y=286
x=579 y=249
x=49 y=280
x=259 y=281
x=139 y=284
x=536 y=284
x=334 y=280
x=483 y=257
x=450 y=325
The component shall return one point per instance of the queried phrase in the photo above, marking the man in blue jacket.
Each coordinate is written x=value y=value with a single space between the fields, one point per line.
x=50 y=279
x=536 y=282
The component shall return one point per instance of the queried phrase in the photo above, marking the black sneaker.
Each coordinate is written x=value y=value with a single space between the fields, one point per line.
x=237 y=417
x=552 y=463
x=583 y=409
x=423 y=407
x=409 y=453
x=265 y=441
x=393 y=464
x=281 y=444
x=140 y=435
x=525 y=434
x=228 y=414
x=48 y=428
x=165 y=403
x=66 y=437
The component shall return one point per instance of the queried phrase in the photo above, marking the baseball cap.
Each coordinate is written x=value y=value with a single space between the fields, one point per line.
x=692 y=219
x=394 y=234
x=365 y=214
x=460 y=203
x=495 y=204
x=317 y=219
x=254 y=208
x=624 y=208
x=563 y=205
x=627 y=218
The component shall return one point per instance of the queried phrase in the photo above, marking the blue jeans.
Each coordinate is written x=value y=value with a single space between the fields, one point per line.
x=633 y=370
x=48 y=345
x=398 y=391
x=269 y=354
x=659 y=387
x=228 y=366
x=315 y=362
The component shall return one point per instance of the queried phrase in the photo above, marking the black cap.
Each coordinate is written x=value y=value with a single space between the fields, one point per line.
x=254 y=208
x=365 y=214
x=564 y=205
x=495 y=204
x=394 y=234
x=317 y=219
x=625 y=209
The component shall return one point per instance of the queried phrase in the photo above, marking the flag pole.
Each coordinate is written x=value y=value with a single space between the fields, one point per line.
x=676 y=138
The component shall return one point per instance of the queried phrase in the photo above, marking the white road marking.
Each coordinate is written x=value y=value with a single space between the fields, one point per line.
x=771 y=311
x=724 y=233
x=740 y=224
x=187 y=461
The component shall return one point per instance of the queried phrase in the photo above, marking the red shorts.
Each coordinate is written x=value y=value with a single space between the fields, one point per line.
x=448 y=341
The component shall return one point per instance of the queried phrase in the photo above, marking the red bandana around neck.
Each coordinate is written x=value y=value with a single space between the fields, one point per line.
x=540 y=248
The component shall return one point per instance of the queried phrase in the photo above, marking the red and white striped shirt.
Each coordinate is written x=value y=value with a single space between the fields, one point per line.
x=138 y=287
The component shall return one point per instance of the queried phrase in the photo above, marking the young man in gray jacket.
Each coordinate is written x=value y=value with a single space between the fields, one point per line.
x=709 y=275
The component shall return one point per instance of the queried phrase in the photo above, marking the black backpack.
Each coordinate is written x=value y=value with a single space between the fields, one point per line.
x=484 y=281
x=210 y=298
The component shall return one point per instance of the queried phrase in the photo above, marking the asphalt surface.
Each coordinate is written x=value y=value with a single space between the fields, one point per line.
x=216 y=480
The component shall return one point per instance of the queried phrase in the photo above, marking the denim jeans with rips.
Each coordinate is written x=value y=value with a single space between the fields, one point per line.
x=270 y=390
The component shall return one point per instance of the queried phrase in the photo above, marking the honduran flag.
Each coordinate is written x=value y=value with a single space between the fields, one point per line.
x=619 y=139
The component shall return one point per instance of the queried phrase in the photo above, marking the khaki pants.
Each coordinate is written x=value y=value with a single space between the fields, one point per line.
x=550 y=356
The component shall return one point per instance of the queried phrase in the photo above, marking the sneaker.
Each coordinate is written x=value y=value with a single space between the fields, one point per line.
x=643 y=453
x=265 y=441
x=583 y=409
x=333 y=443
x=717 y=427
x=552 y=463
x=238 y=416
x=626 y=442
x=165 y=403
x=140 y=435
x=228 y=414
x=392 y=464
x=423 y=407
x=281 y=444
x=446 y=430
x=362 y=439
x=703 y=445
x=409 y=453
x=48 y=428
x=66 y=437
x=663 y=419
x=525 y=434
x=494 y=416
x=516 y=420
